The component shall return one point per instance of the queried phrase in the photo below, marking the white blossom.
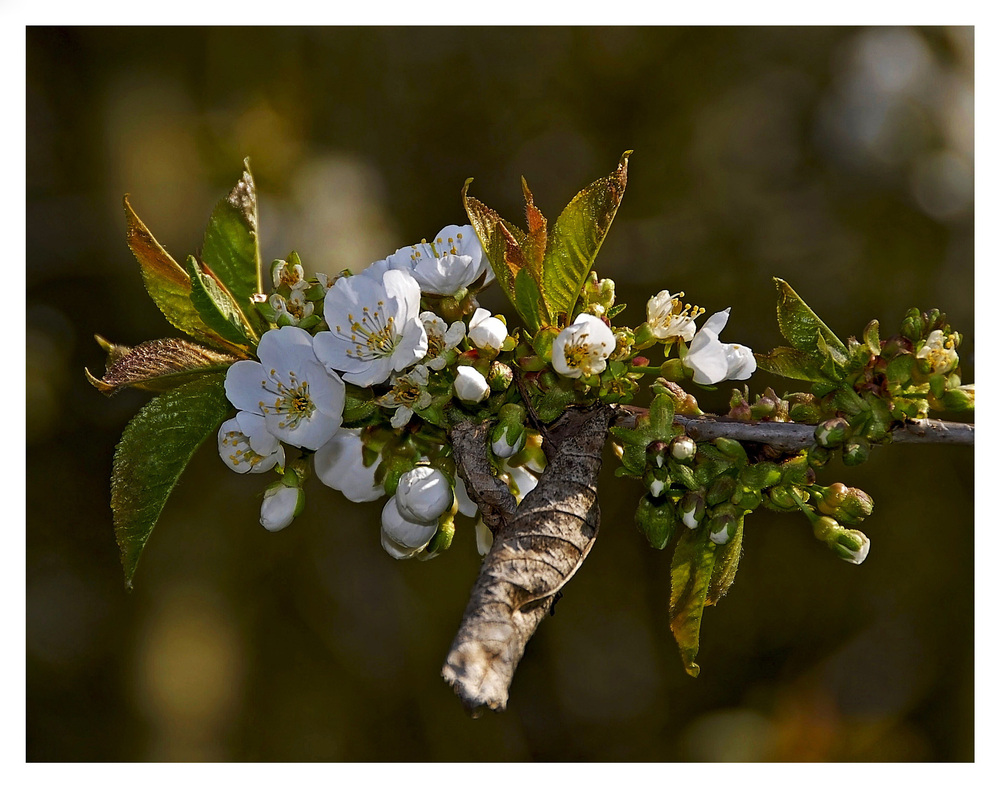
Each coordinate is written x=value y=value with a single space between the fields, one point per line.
x=859 y=554
x=440 y=339
x=668 y=317
x=519 y=479
x=470 y=385
x=583 y=347
x=291 y=275
x=423 y=495
x=292 y=309
x=301 y=402
x=246 y=446
x=339 y=464
x=939 y=350
x=375 y=327
x=447 y=265
x=487 y=332
x=713 y=361
x=408 y=393
x=503 y=449
x=280 y=506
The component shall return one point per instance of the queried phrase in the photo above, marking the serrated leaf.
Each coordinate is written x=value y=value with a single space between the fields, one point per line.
x=153 y=452
x=528 y=301
x=217 y=306
x=502 y=241
x=801 y=326
x=727 y=562
x=166 y=282
x=576 y=239
x=230 y=249
x=616 y=310
x=790 y=363
x=690 y=578
x=159 y=365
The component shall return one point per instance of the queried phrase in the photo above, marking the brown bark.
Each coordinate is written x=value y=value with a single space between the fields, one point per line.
x=537 y=548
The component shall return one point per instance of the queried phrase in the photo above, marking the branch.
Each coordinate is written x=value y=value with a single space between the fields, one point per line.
x=534 y=554
x=789 y=436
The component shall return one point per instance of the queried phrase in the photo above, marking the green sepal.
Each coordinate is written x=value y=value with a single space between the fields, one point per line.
x=217 y=307
x=231 y=250
x=657 y=425
x=153 y=452
x=690 y=579
x=359 y=404
x=803 y=328
x=872 y=339
x=441 y=540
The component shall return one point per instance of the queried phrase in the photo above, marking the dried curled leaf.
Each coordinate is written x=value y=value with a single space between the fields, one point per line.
x=156 y=366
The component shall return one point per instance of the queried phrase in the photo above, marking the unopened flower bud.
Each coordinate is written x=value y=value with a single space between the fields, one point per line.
x=818 y=456
x=913 y=325
x=832 y=432
x=831 y=498
x=657 y=481
x=691 y=509
x=500 y=376
x=404 y=532
x=722 y=524
x=855 y=507
x=470 y=385
x=487 y=332
x=509 y=434
x=656 y=519
x=851 y=546
x=424 y=494
x=961 y=398
x=783 y=498
x=856 y=451
x=281 y=505
x=683 y=448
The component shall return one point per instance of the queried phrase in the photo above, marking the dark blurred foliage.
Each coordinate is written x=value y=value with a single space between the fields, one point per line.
x=839 y=159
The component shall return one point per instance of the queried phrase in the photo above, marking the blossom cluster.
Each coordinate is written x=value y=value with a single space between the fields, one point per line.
x=364 y=373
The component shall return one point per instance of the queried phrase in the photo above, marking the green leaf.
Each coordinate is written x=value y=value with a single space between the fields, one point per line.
x=166 y=282
x=359 y=404
x=727 y=561
x=217 y=307
x=154 y=450
x=690 y=579
x=790 y=363
x=158 y=365
x=230 y=249
x=576 y=239
x=802 y=327
x=528 y=301
x=871 y=337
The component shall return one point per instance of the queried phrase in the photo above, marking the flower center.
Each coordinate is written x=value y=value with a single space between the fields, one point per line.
x=292 y=401
x=373 y=335
x=242 y=453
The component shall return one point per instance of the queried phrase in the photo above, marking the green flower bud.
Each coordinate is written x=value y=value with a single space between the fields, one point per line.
x=831 y=498
x=959 y=399
x=783 y=498
x=913 y=325
x=683 y=448
x=722 y=489
x=657 y=481
x=732 y=449
x=855 y=507
x=656 y=519
x=818 y=456
x=722 y=523
x=797 y=471
x=746 y=498
x=691 y=509
x=856 y=451
x=672 y=369
x=831 y=433
x=851 y=546
x=500 y=376
x=824 y=527
x=804 y=407
x=542 y=342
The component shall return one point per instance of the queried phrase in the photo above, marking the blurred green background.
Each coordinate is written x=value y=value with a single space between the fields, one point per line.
x=840 y=159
